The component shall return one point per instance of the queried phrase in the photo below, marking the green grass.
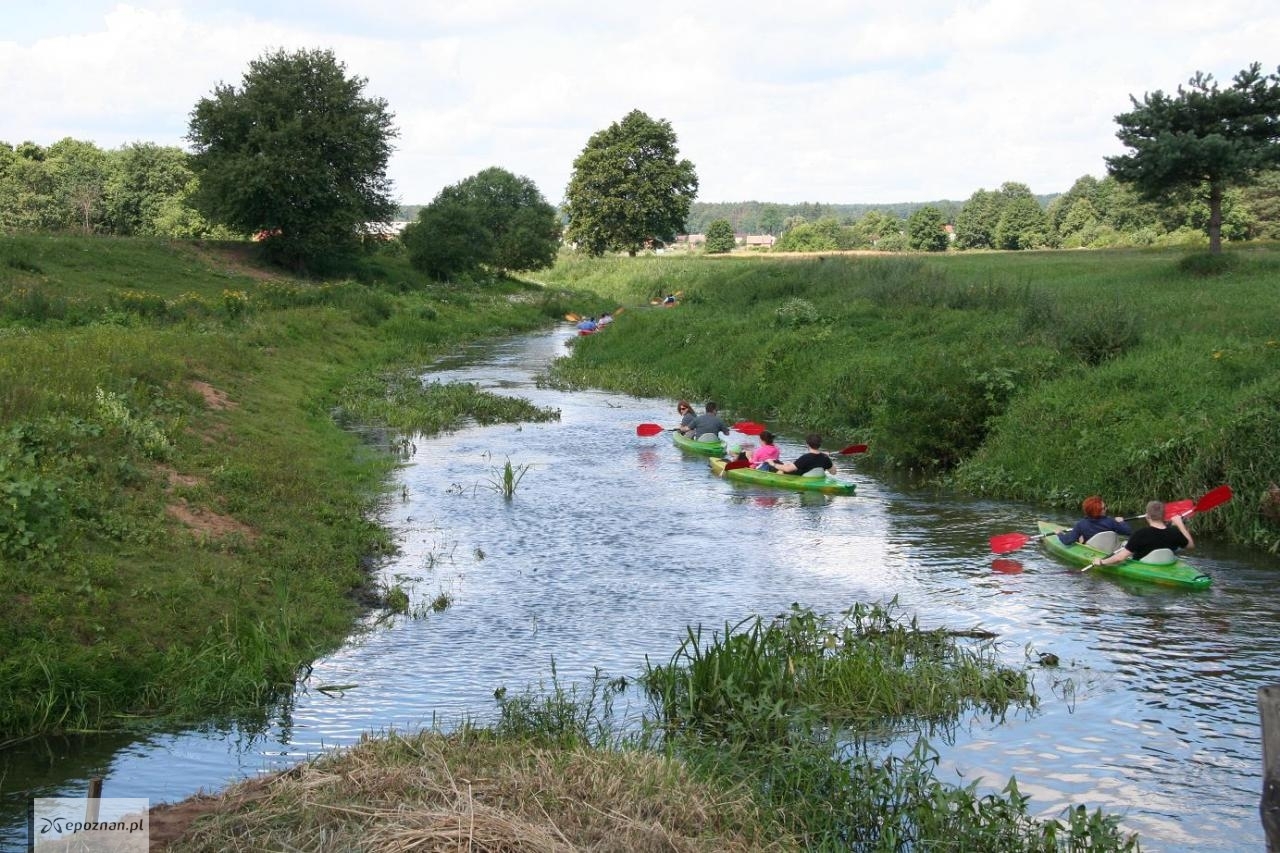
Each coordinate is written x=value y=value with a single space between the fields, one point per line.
x=1043 y=376
x=167 y=554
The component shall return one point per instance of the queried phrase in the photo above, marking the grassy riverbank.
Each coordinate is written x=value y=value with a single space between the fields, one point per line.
x=1043 y=376
x=183 y=522
x=766 y=736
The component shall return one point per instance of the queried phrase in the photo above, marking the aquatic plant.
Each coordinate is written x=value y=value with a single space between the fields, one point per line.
x=506 y=480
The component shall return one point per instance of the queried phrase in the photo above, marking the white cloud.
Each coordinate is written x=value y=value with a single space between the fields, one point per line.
x=833 y=101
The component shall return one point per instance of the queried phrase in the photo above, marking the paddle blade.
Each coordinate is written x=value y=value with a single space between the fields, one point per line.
x=853 y=448
x=649 y=429
x=1003 y=543
x=749 y=427
x=572 y=318
x=1176 y=508
x=1213 y=498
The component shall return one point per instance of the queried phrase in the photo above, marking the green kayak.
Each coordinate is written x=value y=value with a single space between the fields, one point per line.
x=825 y=485
x=1177 y=573
x=706 y=448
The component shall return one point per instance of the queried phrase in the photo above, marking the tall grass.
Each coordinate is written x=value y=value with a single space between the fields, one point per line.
x=1042 y=376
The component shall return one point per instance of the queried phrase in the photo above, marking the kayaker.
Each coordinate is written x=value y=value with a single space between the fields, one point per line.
x=605 y=319
x=687 y=415
x=587 y=324
x=1157 y=534
x=708 y=426
x=811 y=460
x=1095 y=521
x=764 y=454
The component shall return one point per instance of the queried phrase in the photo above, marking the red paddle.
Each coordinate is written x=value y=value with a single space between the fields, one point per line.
x=853 y=448
x=749 y=427
x=1212 y=498
x=650 y=429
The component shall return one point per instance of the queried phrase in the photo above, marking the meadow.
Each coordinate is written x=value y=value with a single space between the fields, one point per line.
x=1038 y=376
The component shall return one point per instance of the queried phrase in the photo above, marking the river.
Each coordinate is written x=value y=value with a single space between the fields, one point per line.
x=614 y=544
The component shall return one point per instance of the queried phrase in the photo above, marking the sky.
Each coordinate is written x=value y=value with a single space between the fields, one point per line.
x=825 y=101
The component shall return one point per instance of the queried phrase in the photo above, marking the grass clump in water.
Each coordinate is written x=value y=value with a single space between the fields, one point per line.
x=557 y=772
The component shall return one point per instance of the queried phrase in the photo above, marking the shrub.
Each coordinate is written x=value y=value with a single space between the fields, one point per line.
x=1099 y=333
x=1206 y=264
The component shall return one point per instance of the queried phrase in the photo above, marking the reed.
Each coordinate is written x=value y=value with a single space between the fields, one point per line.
x=506 y=480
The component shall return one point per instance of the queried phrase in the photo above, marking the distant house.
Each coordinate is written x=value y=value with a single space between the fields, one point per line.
x=759 y=241
x=384 y=230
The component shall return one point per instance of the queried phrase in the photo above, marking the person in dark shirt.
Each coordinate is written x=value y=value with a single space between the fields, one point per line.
x=1157 y=534
x=1095 y=521
x=812 y=459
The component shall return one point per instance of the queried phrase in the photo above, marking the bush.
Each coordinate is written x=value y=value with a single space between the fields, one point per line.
x=1097 y=334
x=1206 y=264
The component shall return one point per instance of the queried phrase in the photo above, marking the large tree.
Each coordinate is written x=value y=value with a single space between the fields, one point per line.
x=1202 y=140
x=977 y=220
x=493 y=218
x=297 y=151
x=927 y=231
x=628 y=188
x=720 y=238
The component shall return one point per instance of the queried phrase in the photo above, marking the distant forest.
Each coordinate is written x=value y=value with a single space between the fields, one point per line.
x=762 y=217
x=755 y=217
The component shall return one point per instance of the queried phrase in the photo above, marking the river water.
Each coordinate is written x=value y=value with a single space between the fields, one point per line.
x=614 y=544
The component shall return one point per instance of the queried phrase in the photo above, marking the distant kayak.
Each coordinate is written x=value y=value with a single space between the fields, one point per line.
x=1178 y=573
x=825 y=485
x=706 y=448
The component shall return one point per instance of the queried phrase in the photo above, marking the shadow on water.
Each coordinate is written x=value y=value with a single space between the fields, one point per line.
x=613 y=545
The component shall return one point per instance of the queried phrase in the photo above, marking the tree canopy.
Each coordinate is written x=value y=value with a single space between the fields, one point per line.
x=1201 y=140
x=297 y=151
x=493 y=218
x=628 y=188
x=720 y=238
x=926 y=230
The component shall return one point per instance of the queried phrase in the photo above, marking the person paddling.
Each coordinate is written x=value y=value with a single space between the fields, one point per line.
x=708 y=426
x=811 y=460
x=1095 y=521
x=1157 y=534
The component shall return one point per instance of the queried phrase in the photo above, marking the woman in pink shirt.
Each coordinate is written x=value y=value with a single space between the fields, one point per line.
x=766 y=452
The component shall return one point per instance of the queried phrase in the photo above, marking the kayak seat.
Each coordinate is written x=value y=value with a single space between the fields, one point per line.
x=815 y=472
x=708 y=437
x=1159 y=555
x=1106 y=540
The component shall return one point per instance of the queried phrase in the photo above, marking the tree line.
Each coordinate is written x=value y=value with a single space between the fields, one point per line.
x=297 y=155
x=141 y=189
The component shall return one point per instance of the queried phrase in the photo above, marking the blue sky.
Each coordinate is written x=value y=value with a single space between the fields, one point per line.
x=827 y=101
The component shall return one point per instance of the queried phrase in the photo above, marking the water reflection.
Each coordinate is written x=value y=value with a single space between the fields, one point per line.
x=614 y=544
